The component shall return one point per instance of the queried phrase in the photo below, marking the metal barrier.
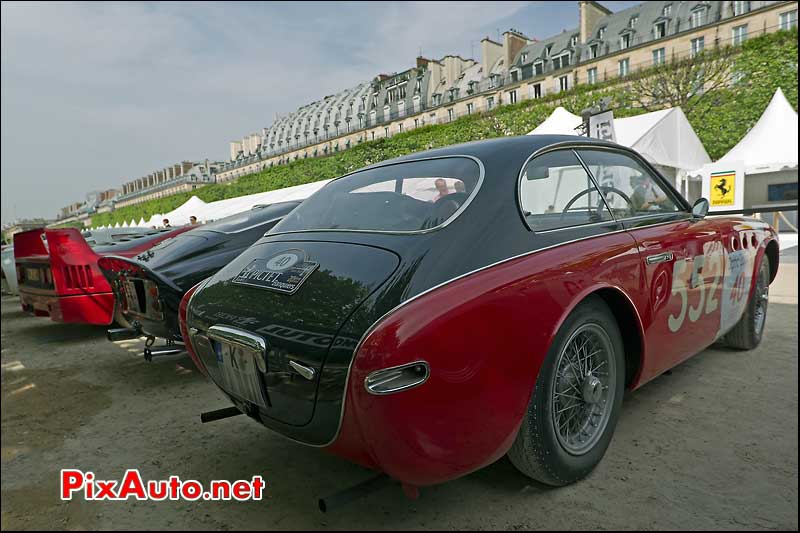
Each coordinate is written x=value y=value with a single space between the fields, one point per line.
x=777 y=210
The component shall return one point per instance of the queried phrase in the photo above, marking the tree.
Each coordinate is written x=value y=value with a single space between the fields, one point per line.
x=685 y=82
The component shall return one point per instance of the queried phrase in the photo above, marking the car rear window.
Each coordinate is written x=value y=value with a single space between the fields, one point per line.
x=403 y=197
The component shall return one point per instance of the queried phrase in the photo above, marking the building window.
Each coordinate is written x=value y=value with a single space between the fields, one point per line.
x=697 y=18
x=563 y=83
x=660 y=30
x=450 y=115
x=788 y=20
x=659 y=56
x=560 y=62
x=437 y=99
x=593 y=51
x=624 y=66
x=524 y=57
x=416 y=123
x=740 y=8
x=666 y=10
x=739 y=34
x=490 y=102
x=400 y=127
x=633 y=21
x=386 y=131
x=373 y=135
x=470 y=108
x=536 y=90
x=538 y=68
x=512 y=96
x=574 y=41
x=625 y=41
x=601 y=33
x=591 y=75
x=547 y=49
x=697 y=45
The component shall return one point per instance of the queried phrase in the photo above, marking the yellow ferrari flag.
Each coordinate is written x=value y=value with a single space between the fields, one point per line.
x=722 y=186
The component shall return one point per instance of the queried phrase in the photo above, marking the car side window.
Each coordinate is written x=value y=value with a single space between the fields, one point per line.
x=555 y=192
x=629 y=188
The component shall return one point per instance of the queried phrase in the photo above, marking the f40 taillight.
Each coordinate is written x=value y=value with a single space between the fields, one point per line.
x=183 y=310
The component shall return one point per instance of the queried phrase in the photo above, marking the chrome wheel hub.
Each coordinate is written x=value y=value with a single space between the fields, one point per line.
x=583 y=389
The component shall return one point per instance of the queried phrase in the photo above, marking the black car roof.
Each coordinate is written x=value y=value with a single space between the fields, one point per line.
x=502 y=148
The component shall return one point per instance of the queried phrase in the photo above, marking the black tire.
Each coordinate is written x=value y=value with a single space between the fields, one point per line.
x=537 y=451
x=747 y=333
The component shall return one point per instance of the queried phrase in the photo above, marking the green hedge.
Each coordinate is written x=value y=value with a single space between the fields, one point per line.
x=721 y=119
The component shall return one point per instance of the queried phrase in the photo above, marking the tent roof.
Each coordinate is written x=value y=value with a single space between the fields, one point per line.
x=771 y=144
x=663 y=137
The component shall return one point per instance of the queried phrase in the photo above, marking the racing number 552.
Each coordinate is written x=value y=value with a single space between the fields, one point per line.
x=680 y=287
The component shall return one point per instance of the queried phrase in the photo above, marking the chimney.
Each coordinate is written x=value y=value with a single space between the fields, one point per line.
x=513 y=42
x=589 y=13
x=422 y=62
x=490 y=53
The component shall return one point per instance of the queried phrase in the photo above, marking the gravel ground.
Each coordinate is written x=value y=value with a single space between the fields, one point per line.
x=712 y=445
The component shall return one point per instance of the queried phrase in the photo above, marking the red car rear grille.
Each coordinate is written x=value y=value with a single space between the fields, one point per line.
x=77 y=276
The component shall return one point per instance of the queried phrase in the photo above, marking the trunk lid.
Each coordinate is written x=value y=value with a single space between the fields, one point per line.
x=296 y=295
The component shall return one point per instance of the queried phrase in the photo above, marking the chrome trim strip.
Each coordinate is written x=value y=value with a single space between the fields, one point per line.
x=481 y=175
x=238 y=337
x=659 y=258
x=422 y=380
x=305 y=371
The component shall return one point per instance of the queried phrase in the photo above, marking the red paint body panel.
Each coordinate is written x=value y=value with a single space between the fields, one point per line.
x=81 y=293
x=485 y=337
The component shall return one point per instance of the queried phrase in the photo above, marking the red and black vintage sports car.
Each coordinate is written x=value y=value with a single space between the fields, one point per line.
x=427 y=315
x=58 y=274
x=149 y=286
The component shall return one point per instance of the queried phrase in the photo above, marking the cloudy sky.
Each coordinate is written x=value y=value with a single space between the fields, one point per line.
x=94 y=94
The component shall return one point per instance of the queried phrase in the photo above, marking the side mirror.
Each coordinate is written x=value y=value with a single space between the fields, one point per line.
x=700 y=208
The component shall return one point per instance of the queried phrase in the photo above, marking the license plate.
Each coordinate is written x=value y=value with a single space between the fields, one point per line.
x=144 y=300
x=33 y=274
x=241 y=372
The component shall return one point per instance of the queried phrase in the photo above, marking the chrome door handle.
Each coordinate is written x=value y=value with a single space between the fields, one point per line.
x=305 y=371
x=659 y=258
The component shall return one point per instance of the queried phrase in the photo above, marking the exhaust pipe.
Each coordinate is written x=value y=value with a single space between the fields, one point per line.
x=219 y=414
x=160 y=351
x=355 y=492
x=122 y=334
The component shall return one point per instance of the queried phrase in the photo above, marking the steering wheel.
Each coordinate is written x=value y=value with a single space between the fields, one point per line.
x=605 y=189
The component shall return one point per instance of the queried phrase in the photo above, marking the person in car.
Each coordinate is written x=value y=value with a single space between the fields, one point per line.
x=441 y=187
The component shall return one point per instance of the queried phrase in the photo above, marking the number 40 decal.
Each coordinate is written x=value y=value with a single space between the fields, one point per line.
x=680 y=287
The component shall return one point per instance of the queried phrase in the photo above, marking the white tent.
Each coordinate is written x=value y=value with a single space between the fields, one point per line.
x=206 y=212
x=762 y=166
x=142 y=223
x=771 y=145
x=665 y=138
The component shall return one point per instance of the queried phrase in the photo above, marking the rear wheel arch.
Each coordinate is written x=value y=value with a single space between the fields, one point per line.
x=625 y=314
x=773 y=253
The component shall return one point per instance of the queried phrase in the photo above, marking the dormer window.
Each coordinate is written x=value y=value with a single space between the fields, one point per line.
x=660 y=30
x=633 y=21
x=538 y=67
x=666 y=10
x=594 y=51
x=561 y=61
x=418 y=86
x=740 y=8
x=547 y=50
x=698 y=17
x=573 y=41
x=624 y=41
x=524 y=57
x=601 y=33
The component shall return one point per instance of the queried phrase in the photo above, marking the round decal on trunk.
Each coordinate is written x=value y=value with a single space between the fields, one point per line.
x=283 y=261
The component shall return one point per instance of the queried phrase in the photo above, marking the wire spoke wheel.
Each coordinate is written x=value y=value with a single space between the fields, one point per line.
x=583 y=389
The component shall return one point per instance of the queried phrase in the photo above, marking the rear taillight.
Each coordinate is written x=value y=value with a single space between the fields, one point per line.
x=187 y=339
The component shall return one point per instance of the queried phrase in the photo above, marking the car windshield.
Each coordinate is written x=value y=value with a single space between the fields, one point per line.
x=403 y=197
